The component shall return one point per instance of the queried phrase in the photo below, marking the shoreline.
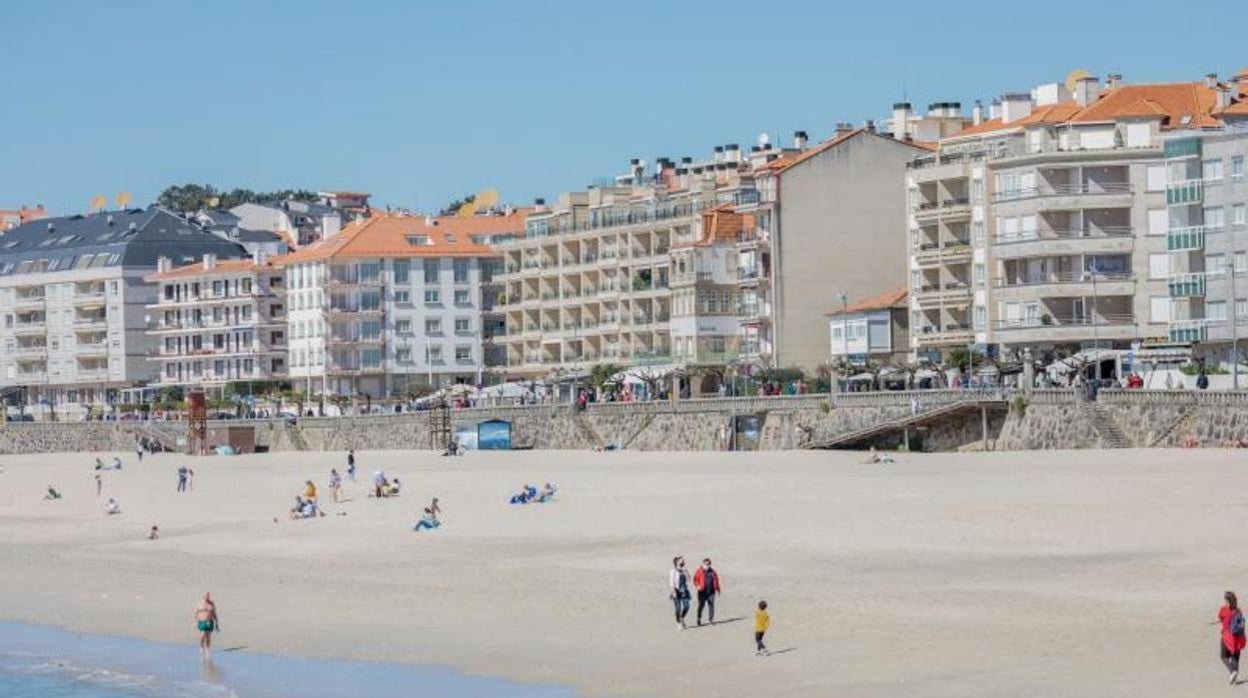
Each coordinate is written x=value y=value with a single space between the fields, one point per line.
x=952 y=552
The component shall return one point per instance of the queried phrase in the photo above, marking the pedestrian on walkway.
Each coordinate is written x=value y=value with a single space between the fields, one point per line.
x=679 y=589
x=1231 y=622
x=706 y=581
x=183 y=474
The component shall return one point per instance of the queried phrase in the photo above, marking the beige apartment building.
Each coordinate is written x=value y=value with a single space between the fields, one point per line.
x=218 y=322
x=638 y=271
x=1044 y=225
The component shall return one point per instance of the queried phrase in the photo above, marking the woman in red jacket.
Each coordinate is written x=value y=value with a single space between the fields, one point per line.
x=1231 y=621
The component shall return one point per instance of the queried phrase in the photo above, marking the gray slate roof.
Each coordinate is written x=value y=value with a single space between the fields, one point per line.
x=127 y=238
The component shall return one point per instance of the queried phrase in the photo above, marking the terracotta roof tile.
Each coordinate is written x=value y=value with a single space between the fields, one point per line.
x=722 y=224
x=1170 y=101
x=782 y=164
x=892 y=298
x=386 y=235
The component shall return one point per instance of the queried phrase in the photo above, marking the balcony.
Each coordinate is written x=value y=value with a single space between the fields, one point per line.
x=955 y=252
x=33 y=351
x=1045 y=243
x=953 y=294
x=89 y=300
x=1182 y=193
x=951 y=334
x=1046 y=328
x=1185 y=239
x=352 y=282
x=955 y=207
x=1188 y=331
x=1067 y=283
x=33 y=301
x=1186 y=285
x=90 y=321
x=25 y=328
x=91 y=349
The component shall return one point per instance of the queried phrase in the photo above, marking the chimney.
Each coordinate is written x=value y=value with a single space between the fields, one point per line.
x=719 y=153
x=260 y=257
x=843 y=127
x=210 y=261
x=977 y=113
x=799 y=140
x=1211 y=80
x=636 y=170
x=428 y=220
x=109 y=220
x=953 y=109
x=1224 y=95
x=869 y=126
x=1086 y=90
x=51 y=227
x=1015 y=106
x=732 y=153
x=901 y=120
x=994 y=109
x=133 y=226
x=539 y=205
x=1114 y=81
x=163 y=265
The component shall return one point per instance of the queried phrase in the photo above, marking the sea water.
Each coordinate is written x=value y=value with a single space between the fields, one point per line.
x=41 y=662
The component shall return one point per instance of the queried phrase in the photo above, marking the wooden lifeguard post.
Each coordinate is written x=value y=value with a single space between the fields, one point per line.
x=196 y=423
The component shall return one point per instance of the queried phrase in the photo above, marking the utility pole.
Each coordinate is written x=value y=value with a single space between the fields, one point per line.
x=845 y=333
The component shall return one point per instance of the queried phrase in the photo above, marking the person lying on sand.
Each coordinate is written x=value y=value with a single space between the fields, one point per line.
x=52 y=493
x=112 y=507
x=547 y=493
x=303 y=509
x=874 y=458
x=392 y=488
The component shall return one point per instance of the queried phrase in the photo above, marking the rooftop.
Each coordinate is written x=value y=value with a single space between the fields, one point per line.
x=405 y=235
x=892 y=298
x=223 y=267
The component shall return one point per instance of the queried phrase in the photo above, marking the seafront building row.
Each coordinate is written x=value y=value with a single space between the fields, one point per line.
x=1072 y=215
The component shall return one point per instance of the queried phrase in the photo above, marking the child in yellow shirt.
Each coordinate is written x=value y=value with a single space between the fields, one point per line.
x=762 y=621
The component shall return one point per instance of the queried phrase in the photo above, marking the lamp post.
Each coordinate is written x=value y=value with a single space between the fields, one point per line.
x=845 y=334
x=1234 y=319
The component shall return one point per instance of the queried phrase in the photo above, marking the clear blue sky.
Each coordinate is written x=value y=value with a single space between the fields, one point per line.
x=419 y=102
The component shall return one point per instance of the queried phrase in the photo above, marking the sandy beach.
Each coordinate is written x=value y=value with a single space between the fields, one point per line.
x=1001 y=574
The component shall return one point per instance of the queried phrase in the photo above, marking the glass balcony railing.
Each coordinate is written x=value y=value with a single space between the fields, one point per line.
x=1187 y=238
x=1188 y=191
x=1186 y=285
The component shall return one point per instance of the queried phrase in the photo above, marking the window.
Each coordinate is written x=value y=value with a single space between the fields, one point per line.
x=431 y=271
x=401 y=271
x=403 y=326
x=1159 y=308
x=1237 y=167
x=1241 y=262
x=1215 y=264
x=977 y=191
x=1215 y=310
x=403 y=297
x=433 y=296
x=1215 y=218
x=1159 y=266
x=463 y=325
x=981 y=317
x=433 y=326
x=403 y=355
x=1156 y=176
x=1211 y=170
x=418 y=240
x=977 y=233
x=433 y=354
x=1158 y=221
x=461 y=271
x=462 y=297
x=978 y=271
x=1239 y=216
x=463 y=353
x=370 y=358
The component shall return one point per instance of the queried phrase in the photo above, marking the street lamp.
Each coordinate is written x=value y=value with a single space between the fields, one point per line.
x=845 y=334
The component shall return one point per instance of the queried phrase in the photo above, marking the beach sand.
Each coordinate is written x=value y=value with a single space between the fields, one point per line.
x=1000 y=574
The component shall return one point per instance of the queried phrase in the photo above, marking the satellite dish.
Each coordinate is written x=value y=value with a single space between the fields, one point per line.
x=763 y=139
x=466 y=210
x=97 y=202
x=1074 y=77
x=123 y=199
x=213 y=201
x=482 y=200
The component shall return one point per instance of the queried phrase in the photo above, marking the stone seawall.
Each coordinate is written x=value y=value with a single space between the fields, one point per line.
x=1045 y=419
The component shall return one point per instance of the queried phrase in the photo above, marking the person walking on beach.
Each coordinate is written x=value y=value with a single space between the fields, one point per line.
x=762 y=621
x=335 y=483
x=706 y=581
x=679 y=585
x=1231 y=622
x=206 y=622
x=351 y=465
x=138 y=450
x=183 y=474
x=99 y=484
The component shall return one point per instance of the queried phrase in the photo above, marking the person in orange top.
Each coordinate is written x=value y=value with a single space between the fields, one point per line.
x=762 y=621
x=1231 y=621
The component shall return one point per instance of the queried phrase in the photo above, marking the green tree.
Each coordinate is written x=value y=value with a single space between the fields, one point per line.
x=451 y=208
x=599 y=374
x=183 y=198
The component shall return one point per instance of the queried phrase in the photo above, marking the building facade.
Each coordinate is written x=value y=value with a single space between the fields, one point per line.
x=873 y=330
x=1044 y=226
x=393 y=302
x=218 y=322
x=74 y=298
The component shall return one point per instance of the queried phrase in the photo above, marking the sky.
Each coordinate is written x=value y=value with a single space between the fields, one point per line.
x=422 y=102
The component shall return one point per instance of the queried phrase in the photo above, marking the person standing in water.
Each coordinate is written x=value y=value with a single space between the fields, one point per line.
x=206 y=622
x=1231 y=621
x=678 y=581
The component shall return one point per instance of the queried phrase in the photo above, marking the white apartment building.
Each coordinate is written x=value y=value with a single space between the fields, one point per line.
x=394 y=301
x=75 y=297
x=1044 y=226
x=218 y=322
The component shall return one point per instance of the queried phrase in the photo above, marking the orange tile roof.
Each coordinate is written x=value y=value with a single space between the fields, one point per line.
x=1239 y=108
x=892 y=298
x=1170 y=101
x=385 y=235
x=784 y=163
x=721 y=224
x=221 y=268
x=986 y=126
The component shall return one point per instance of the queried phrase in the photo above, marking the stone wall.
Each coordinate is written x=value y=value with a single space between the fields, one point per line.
x=51 y=437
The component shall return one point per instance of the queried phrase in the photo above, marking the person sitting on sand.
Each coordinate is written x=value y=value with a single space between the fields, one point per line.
x=154 y=533
x=116 y=463
x=112 y=507
x=428 y=521
x=547 y=493
x=392 y=488
x=52 y=493
x=874 y=458
x=521 y=497
x=379 y=483
x=297 y=511
x=434 y=508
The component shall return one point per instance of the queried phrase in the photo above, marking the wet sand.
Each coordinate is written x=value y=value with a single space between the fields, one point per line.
x=1011 y=574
